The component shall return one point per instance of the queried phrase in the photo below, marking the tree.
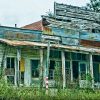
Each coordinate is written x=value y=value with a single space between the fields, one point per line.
x=94 y=5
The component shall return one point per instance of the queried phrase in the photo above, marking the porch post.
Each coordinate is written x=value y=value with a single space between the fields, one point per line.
x=63 y=68
x=71 y=71
x=17 y=67
x=91 y=69
x=71 y=67
x=41 y=68
x=47 y=66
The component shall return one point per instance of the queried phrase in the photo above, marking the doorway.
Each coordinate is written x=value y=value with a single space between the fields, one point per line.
x=75 y=70
x=51 y=69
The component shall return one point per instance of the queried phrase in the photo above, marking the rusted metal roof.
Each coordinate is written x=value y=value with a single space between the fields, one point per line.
x=34 y=26
x=90 y=43
x=58 y=46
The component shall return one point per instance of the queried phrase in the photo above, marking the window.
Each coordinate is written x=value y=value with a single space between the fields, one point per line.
x=55 y=54
x=67 y=55
x=9 y=71
x=10 y=62
x=51 y=69
x=67 y=69
x=96 y=58
x=79 y=56
x=74 y=56
x=54 y=69
x=96 y=70
x=83 y=71
x=95 y=31
x=34 y=68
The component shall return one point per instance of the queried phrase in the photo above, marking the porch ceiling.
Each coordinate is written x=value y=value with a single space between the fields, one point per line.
x=40 y=44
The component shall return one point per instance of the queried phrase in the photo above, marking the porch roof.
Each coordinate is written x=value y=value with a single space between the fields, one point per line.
x=40 y=44
x=21 y=43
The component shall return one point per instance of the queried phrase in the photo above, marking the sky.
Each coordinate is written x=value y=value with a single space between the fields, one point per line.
x=23 y=12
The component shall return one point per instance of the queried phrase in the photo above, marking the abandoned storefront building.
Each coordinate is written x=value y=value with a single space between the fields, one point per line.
x=64 y=46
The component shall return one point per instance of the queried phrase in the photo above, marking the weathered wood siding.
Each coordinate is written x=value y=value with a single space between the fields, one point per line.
x=77 y=16
x=68 y=10
x=19 y=34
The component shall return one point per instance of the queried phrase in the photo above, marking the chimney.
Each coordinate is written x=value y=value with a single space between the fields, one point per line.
x=15 y=25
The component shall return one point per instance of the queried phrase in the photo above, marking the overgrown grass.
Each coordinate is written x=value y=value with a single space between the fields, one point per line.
x=30 y=93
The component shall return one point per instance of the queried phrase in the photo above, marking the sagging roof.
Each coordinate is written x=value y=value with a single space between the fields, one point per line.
x=58 y=46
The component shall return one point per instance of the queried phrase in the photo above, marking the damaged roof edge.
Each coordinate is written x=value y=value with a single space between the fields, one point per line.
x=27 y=43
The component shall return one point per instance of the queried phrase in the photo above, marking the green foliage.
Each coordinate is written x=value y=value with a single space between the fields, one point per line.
x=58 y=78
x=94 y=5
x=8 y=92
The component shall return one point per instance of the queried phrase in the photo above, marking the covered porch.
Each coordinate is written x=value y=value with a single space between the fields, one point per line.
x=25 y=64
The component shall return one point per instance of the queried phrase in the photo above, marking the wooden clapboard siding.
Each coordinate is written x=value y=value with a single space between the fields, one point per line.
x=20 y=34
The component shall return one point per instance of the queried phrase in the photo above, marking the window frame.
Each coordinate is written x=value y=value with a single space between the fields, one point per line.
x=37 y=69
x=10 y=68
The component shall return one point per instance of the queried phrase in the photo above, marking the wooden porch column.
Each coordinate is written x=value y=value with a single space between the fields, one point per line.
x=17 y=67
x=71 y=67
x=91 y=69
x=41 y=67
x=63 y=68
